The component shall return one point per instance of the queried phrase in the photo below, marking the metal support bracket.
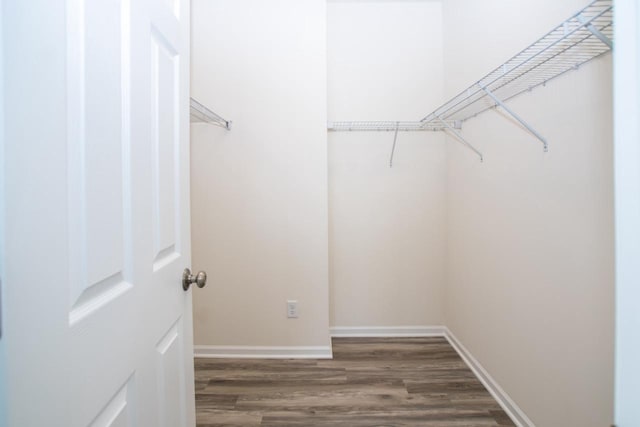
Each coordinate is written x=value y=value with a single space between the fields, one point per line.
x=200 y=113
x=518 y=118
x=393 y=149
x=587 y=23
x=461 y=139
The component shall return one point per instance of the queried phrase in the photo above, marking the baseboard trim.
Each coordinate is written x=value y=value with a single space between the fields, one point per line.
x=386 y=331
x=260 y=352
x=508 y=405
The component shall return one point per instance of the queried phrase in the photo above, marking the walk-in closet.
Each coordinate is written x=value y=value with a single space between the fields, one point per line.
x=313 y=213
x=412 y=168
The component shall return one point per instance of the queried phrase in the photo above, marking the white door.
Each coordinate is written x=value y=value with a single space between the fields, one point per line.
x=96 y=328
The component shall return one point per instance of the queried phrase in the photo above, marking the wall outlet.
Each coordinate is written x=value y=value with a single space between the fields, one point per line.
x=292 y=309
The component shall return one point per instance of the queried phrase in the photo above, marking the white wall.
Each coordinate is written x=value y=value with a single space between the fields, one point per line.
x=530 y=235
x=259 y=192
x=387 y=225
x=627 y=189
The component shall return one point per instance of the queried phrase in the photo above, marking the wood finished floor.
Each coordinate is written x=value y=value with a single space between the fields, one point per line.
x=378 y=382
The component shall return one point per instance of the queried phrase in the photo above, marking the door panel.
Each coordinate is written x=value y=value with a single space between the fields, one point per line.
x=98 y=144
x=171 y=393
x=120 y=411
x=166 y=138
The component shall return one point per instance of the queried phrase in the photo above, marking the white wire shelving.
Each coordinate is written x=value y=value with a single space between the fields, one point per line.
x=586 y=35
x=384 y=126
x=401 y=126
x=201 y=114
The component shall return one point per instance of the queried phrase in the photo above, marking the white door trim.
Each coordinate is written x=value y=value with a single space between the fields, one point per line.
x=627 y=211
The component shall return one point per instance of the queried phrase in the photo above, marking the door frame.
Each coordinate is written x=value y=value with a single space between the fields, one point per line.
x=626 y=113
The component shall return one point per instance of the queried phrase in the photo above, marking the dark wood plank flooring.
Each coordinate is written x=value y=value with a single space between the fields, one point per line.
x=370 y=382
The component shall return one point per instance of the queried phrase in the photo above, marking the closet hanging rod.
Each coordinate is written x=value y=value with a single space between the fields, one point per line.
x=200 y=113
x=387 y=126
x=586 y=35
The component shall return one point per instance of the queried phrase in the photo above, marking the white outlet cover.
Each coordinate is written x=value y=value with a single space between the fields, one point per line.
x=292 y=309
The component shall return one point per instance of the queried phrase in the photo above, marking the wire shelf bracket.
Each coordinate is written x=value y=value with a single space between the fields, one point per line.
x=201 y=114
x=604 y=39
x=586 y=35
x=461 y=139
x=518 y=118
x=393 y=148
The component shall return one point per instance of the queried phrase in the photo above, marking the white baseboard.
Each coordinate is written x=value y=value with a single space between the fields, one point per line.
x=258 y=352
x=508 y=405
x=386 y=331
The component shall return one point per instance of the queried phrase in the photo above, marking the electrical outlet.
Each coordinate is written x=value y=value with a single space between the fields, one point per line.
x=292 y=309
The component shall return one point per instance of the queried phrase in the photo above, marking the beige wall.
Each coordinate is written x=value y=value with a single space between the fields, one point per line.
x=259 y=192
x=530 y=235
x=514 y=255
x=387 y=225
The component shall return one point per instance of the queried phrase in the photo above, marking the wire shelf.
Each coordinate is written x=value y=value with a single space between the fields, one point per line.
x=201 y=114
x=586 y=35
x=385 y=126
x=581 y=38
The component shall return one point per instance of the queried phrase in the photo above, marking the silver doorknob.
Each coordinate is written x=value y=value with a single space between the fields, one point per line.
x=189 y=279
